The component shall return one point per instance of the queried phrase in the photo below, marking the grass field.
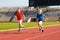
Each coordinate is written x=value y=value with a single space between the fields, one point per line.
x=11 y=25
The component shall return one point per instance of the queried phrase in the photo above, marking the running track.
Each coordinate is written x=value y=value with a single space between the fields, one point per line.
x=50 y=33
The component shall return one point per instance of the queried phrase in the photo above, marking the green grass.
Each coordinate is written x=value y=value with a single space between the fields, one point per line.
x=5 y=26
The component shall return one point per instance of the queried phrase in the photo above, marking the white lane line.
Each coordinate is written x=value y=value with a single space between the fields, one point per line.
x=42 y=35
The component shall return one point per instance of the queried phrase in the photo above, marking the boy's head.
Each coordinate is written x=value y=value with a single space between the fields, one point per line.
x=39 y=11
x=19 y=9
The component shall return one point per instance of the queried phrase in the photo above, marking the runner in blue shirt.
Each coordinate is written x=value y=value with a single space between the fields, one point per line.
x=40 y=16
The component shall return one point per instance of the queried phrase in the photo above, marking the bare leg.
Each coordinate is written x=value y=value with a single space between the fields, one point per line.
x=40 y=26
x=19 y=28
x=21 y=24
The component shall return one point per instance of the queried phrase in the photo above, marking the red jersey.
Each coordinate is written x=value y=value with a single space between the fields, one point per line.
x=19 y=15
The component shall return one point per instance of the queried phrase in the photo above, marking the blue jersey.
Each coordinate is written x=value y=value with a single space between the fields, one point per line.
x=40 y=17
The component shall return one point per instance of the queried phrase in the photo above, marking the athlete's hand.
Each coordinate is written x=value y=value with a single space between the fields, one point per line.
x=36 y=19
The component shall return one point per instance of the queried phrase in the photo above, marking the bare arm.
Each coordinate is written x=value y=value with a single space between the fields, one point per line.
x=36 y=19
x=45 y=18
x=23 y=16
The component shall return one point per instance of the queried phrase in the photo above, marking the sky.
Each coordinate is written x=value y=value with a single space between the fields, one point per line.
x=14 y=3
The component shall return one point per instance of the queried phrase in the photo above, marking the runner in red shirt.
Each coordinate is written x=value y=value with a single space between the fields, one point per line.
x=19 y=16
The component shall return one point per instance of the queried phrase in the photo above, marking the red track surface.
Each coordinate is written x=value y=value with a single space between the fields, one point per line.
x=50 y=33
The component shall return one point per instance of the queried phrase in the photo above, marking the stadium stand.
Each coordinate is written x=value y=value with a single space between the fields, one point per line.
x=7 y=13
